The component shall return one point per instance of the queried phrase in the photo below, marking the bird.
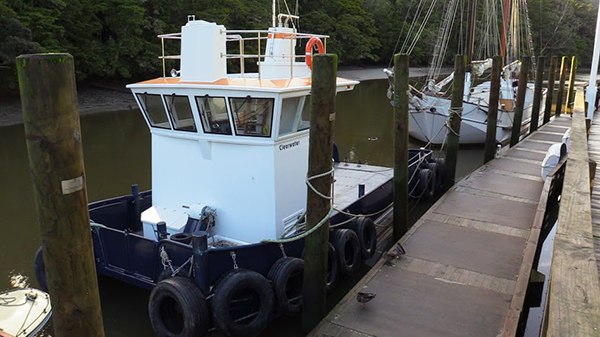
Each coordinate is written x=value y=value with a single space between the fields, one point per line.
x=363 y=298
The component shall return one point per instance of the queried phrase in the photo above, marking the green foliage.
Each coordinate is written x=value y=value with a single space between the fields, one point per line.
x=351 y=28
x=116 y=39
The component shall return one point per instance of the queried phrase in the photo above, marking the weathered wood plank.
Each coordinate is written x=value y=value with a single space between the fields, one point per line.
x=574 y=295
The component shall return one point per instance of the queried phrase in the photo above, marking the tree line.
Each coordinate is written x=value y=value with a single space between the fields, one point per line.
x=116 y=39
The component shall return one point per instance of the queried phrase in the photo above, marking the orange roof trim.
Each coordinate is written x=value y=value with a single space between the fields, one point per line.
x=247 y=82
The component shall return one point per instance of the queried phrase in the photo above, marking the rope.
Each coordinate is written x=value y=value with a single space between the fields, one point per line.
x=308 y=179
x=305 y=234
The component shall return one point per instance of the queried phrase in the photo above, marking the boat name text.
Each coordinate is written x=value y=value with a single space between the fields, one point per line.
x=290 y=145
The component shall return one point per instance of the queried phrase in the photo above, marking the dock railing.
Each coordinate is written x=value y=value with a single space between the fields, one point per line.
x=573 y=307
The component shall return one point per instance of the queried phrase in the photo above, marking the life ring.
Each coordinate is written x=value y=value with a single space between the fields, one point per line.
x=347 y=247
x=242 y=303
x=177 y=307
x=287 y=276
x=364 y=228
x=426 y=184
x=309 y=46
x=40 y=271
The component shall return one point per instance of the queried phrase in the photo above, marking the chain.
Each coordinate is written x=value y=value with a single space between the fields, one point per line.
x=233 y=257
x=164 y=257
x=176 y=271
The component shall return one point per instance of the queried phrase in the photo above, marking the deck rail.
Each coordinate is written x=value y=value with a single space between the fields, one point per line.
x=574 y=295
x=248 y=40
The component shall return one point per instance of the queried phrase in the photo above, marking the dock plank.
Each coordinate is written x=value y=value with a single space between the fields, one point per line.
x=499 y=211
x=447 y=244
x=468 y=258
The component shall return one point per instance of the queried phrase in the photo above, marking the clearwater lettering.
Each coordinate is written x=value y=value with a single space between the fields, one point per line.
x=287 y=146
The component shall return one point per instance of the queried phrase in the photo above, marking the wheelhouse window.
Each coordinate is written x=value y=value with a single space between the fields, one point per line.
x=304 y=122
x=181 y=112
x=153 y=108
x=252 y=116
x=213 y=114
x=295 y=115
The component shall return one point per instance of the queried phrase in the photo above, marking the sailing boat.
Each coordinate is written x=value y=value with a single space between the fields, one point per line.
x=428 y=107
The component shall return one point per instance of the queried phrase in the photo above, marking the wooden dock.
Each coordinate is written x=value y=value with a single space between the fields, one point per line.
x=468 y=259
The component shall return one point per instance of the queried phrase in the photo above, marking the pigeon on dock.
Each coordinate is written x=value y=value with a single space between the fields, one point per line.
x=363 y=298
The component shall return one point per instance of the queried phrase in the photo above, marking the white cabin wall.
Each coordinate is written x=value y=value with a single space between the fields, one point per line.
x=291 y=166
x=237 y=181
x=202 y=47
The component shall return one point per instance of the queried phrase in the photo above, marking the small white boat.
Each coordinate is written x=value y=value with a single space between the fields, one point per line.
x=23 y=312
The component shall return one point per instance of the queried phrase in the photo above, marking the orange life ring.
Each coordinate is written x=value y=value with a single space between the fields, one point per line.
x=309 y=46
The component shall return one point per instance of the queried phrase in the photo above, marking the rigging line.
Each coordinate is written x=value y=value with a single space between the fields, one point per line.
x=422 y=27
x=399 y=34
x=412 y=26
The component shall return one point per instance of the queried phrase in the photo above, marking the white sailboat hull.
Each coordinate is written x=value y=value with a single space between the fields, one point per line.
x=428 y=116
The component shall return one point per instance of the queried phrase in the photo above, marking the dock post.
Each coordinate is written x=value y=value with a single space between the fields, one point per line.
x=570 y=91
x=320 y=156
x=561 y=86
x=537 y=94
x=550 y=91
x=199 y=248
x=521 y=90
x=52 y=131
x=454 y=120
x=401 y=70
x=492 y=121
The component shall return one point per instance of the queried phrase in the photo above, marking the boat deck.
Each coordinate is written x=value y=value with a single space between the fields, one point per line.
x=348 y=176
x=468 y=258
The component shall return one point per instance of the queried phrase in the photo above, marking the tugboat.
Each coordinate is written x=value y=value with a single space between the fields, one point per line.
x=219 y=240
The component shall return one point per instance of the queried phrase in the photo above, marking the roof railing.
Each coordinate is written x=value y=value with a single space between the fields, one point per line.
x=243 y=36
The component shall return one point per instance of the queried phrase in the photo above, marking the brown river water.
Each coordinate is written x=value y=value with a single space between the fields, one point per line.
x=116 y=149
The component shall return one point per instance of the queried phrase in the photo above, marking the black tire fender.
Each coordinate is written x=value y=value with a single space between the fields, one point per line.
x=332 y=268
x=365 y=230
x=437 y=179
x=287 y=276
x=234 y=298
x=425 y=184
x=177 y=308
x=439 y=163
x=348 y=251
x=40 y=271
x=185 y=238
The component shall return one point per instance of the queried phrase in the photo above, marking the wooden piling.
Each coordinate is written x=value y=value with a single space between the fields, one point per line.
x=322 y=118
x=537 y=94
x=570 y=91
x=401 y=175
x=561 y=86
x=52 y=131
x=492 y=120
x=550 y=91
x=521 y=90
x=454 y=117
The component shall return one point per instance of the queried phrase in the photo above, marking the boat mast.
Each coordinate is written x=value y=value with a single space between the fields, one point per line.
x=470 y=34
x=504 y=30
x=274 y=15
